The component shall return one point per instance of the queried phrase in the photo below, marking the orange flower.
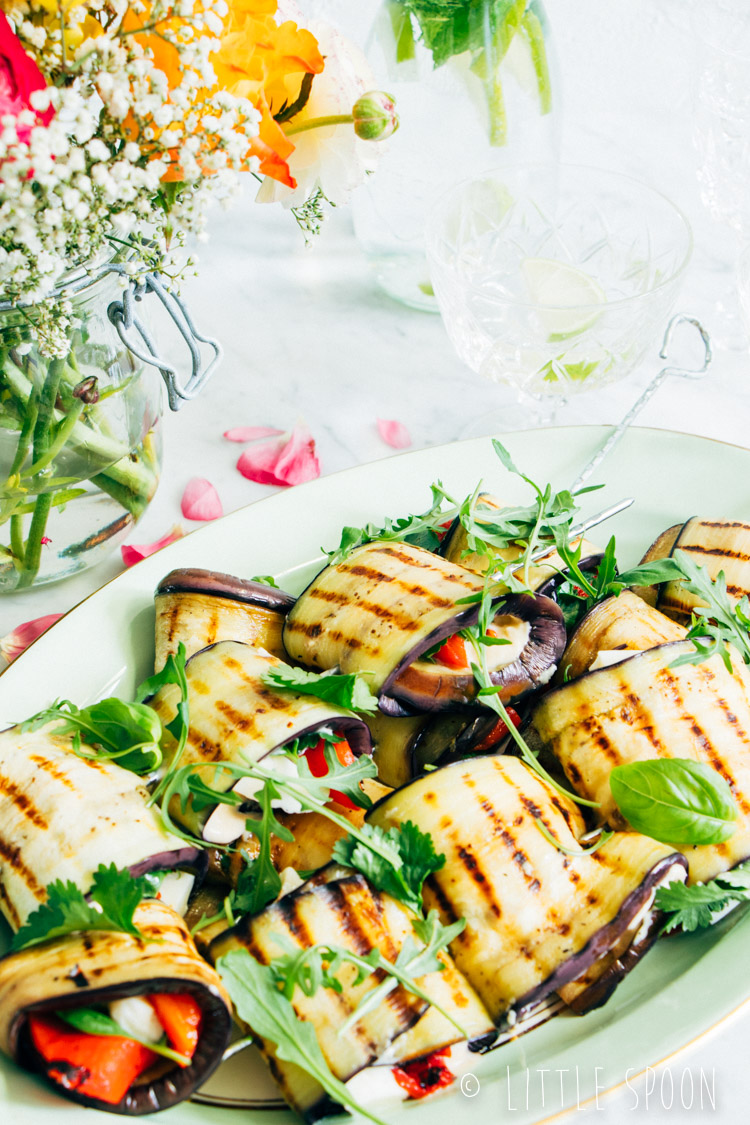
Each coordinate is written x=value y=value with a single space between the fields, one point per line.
x=266 y=63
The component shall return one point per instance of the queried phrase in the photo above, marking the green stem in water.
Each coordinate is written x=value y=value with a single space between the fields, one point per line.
x=320 y=123
x=42 y=442
x=403 y=32
x=533 y=33
x=16 y=537
x=61 y=436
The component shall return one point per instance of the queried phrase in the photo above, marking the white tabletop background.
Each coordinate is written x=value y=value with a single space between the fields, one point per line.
x=307 y=336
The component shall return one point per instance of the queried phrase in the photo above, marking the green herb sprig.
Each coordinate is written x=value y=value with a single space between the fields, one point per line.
x=695 y=907
x=349 y=691
x=114 y=896
x=675 y=800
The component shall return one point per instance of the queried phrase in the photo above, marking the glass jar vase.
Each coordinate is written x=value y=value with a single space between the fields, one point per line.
x=475 y=89
x=80 y=441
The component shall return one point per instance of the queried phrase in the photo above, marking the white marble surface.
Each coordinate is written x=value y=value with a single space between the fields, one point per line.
x=307 y=336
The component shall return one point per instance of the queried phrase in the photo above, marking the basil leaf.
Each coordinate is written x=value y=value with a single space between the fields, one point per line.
x=675 y=800
x=92 y=1022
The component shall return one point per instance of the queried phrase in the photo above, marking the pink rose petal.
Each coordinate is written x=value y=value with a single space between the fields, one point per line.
x=13 y=644
x=394 y=433
x=289 y=461
x=131 y=554
x=200 y=501
x=250 y=433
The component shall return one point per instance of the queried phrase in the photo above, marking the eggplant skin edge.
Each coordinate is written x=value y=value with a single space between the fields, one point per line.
x=598 y=945
x=190 y=580
x=163 y=1092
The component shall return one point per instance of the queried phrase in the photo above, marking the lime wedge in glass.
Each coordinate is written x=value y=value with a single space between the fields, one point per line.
x=567 y=296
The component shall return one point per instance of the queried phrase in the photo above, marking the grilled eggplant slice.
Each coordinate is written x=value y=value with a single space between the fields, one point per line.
x=717 y=545
x=342 y=909
x=236 y=717
x=536 y=918
x=201 y=607
x=386 y=605
x=62 y=815
x=643 y=708
x=93 y=969
x=624 y=623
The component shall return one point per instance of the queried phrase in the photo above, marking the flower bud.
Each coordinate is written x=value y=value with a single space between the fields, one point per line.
x=374 y=116
x=87 y=390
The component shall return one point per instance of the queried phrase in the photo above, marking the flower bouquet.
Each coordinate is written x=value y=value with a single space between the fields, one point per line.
x=120 y=120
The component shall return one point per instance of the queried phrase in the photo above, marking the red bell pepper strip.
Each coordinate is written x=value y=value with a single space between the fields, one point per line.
x=180 y=1015
x=424 y=1076
x=100 y=1066
x=496 y=733
x=316 y=760
x=453 y=652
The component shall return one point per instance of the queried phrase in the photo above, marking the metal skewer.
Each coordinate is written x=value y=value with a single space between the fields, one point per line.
x=683 y=372
x=586 y=525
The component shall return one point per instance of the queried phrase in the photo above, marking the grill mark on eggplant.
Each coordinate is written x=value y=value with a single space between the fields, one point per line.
x=172 y=617
x=12 y=856
x=204 y=746
x=444 y=904
x=384 y=613
x=50 y=768
x=424 y=562
x=722 y=552
x=471 y=865
x=239 y=720
x=10 y=909
x=22 y=802
x=593 y=727
x=711 y=754
x=288 y=908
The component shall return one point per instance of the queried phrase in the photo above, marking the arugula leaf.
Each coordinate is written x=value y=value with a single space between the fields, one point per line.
x=675 y=800
x=317 y=967
x=92 y=1022
x=349 y=691
x=114 y=896
x=265 y=580
x=259 y=1002
x=343 y=779
x=263 y=881
x=423 y=530
x=695 y=907
x=128 y=733
x=173 y=672
x=414 y=850
x=717 y=624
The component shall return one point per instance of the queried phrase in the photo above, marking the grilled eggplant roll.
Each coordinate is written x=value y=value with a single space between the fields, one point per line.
x=643 y=708
x=114 y=973
x=455 y=548
x=537 y=919
x=200 y=607
x=62 y=815
x=715 y=544
x=342 y=909
x=387 y=604
x=613 y=629
x=236 y=717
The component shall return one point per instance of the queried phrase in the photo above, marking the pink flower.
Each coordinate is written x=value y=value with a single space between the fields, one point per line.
x=13 y=644
x=394 y=434
x=132 y=554
x=250 y=433
x=19 y=78
x=289 y=461
x=200 y=501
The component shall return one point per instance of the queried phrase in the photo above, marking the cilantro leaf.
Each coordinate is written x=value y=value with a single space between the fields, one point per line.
x=115 y=894
x=259 y=1002
x=697 y=906
x=412 y=850
x=349 y=691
